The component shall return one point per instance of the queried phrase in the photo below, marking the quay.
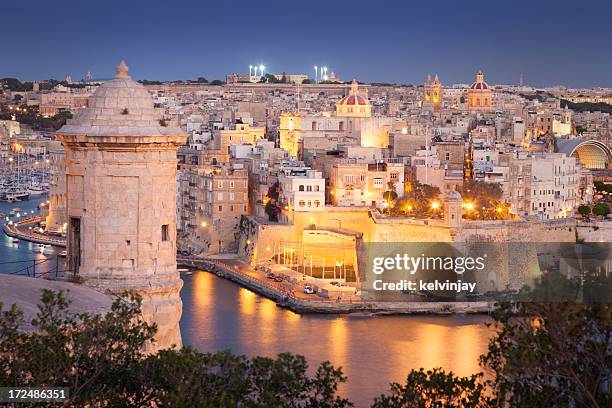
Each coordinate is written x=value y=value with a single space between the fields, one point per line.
x=291 y=297
x=13 y=230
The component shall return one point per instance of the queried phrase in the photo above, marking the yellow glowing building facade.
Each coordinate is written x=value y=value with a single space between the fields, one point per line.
x=432 y=93
x=480 y=96
x=355 y=104
x=290 y=132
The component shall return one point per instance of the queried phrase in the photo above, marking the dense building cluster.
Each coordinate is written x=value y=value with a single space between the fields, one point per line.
x=270 y=150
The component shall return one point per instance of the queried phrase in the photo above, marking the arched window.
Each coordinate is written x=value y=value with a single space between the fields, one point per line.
x=301 y=188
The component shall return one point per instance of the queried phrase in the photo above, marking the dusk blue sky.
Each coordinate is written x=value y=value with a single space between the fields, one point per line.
x=550 y=42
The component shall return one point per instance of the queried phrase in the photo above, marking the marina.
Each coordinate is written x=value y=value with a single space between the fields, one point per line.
x=23 y=176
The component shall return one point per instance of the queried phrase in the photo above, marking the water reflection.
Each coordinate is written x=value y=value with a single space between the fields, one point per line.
x=373 y=351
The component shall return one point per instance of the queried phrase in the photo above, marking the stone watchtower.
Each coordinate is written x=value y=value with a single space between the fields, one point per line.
x=121 y=199
x=452 y=209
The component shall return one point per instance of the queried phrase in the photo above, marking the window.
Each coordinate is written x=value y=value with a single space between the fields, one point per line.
x=165 y=234
x=378 y=182
x=316 y=188
x=317 y=203
x=231 y=196
x=393 y=176
x=447 y=156
x=301 y=187
x=308 y=188
x=302 y=203
x=220 y=195
x=231 y=184
x=220 y=208
x=220 y=184
x=314 y=126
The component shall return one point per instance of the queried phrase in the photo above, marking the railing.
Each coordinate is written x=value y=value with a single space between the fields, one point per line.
x=34 y=268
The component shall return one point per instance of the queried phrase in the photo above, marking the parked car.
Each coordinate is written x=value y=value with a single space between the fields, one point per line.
x=278 y=278
x=334 y=283
x=270 y=275
x=308 y=290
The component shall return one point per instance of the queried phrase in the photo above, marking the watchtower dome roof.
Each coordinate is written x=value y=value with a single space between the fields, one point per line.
x=119 y=107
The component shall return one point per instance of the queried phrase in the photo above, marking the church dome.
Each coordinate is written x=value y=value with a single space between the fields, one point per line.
x=480 y=82
x=120 y=107
x=353 y=100
x=479 y=85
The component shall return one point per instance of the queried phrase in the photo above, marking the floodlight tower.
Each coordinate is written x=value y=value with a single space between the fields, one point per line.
x=316 y=73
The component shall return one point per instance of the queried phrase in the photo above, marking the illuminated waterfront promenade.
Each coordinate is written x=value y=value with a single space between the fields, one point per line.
x=290 y=294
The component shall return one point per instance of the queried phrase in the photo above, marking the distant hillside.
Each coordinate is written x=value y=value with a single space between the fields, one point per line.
x=587 y=106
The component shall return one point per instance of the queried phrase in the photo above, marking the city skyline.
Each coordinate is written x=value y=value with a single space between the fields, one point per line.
x=536 y=40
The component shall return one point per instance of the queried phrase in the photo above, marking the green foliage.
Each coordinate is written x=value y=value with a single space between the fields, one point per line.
x=548 y=344
x=485 y=199
x=416 y=201
x=32 y=118
x=273 y=211
x=587 y=106
x=599 y=185
x=473 y=189
x=435 y=389
x=13 y=84
x=96 y=356
x=584 y=210
x=202 y=80
x=216 y=82
x=307 y=81
x=148 y=82
x=100 y=358
x=601 y=209
x=390 y=195
x=192 y=379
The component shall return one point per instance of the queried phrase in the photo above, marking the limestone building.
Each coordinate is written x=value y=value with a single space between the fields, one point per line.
x=355 y=104
x=121 y=160
x=480 y=96
x=432 y=93
x=56 y=220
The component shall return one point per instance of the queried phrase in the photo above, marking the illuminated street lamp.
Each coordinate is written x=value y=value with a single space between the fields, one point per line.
x=204 y=224
x=435 y=205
